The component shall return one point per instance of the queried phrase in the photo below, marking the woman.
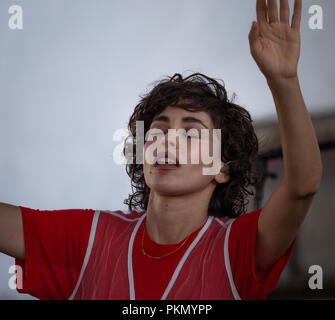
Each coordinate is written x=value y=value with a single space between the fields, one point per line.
x=190 y=239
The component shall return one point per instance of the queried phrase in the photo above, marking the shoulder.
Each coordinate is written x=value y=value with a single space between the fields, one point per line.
x=244 y=218
x=247 y=220
x=241 y=227
x=242 y=231
x=59 y=212
x=60 y=217
x=121 y=217
x=111 y=225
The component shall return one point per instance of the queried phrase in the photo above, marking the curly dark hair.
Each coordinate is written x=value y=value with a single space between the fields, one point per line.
x=199 y=92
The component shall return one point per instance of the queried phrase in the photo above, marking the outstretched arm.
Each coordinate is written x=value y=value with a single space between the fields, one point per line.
x=11 y=231
x=275 y=46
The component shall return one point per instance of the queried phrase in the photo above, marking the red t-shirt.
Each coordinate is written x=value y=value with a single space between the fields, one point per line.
x=56 y=242
x=161 y=270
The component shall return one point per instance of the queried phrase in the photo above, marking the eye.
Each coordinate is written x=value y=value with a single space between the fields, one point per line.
x=154 y=132
x=192 y=133
x=191 y=136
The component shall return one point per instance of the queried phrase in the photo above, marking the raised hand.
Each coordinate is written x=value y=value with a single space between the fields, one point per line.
x=274 y=44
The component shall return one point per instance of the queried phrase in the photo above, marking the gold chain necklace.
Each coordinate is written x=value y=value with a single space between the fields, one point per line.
x=165 y=255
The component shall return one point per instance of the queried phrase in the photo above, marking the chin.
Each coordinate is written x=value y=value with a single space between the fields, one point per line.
x=169 y=190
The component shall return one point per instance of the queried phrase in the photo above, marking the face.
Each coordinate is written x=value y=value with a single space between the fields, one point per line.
x=184 y=149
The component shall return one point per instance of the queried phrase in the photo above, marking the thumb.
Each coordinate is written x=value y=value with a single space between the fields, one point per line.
x=254 y=32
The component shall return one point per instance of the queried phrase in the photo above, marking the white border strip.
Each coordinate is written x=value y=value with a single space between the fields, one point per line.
x=130 y=258
x=227 y=264
x=88 y=252
x=120 y=216
x=186 y=254
x=223 y=224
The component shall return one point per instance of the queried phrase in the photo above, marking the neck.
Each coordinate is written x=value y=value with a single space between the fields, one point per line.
x=170 y=219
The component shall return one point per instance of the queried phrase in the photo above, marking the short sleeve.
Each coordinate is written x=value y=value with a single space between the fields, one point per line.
x=55 y=247
x=241 y=244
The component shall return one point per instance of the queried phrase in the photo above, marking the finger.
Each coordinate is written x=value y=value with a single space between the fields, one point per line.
x=296 y=18
x=272 y=11
x=284 y=11
x=261 y=11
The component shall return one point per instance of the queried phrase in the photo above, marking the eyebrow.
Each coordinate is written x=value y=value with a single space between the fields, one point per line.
x=184 y=119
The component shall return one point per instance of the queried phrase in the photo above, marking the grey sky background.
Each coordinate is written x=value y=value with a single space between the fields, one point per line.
x=74 y=74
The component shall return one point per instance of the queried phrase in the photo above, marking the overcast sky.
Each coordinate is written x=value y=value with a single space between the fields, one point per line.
x=73 y=75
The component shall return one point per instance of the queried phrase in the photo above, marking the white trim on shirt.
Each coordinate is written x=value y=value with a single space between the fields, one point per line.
x=185 y=256
x=130 y=258
x=227 y=263
x=88 y=252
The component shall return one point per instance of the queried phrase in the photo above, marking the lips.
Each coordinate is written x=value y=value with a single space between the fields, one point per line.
x=166 y=166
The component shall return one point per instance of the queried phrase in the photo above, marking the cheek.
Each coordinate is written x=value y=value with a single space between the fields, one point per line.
x=201 y=150
x=149 y=152
x=145 y=151
x=145 y=164
x=196 y=153
x=146 y=146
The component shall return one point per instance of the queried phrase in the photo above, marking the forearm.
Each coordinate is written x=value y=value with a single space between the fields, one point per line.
x=301 y=153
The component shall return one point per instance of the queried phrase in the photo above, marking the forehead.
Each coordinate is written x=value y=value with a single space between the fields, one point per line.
x=176 y=115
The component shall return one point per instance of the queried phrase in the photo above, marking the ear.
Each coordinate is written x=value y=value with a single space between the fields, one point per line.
x=223 y=175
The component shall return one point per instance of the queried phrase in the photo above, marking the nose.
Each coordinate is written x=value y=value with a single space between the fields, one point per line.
x=170 y=139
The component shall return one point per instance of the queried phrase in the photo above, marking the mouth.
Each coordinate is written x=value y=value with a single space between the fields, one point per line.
x=166 y=166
